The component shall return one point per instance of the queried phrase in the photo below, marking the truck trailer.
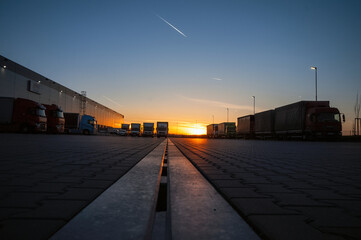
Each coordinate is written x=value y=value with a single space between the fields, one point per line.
x=162 y=129
x=85 y=124
x=245 y=126
x=212 y=130
x=135 y=129
x=55 y=117
x=148 y=130
x=308 y=119
x=264 y=124
x=22 y=115
x=227 y=130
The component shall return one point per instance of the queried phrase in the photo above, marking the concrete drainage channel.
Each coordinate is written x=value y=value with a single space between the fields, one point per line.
x=161 y=225
x=162 y=197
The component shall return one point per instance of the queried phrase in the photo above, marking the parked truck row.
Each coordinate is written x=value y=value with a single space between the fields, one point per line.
x=24 y=115
x=305 y=119
x=145 y=130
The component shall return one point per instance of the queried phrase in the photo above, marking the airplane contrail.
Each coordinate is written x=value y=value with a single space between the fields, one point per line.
x=171 y=25
x=218 y=79
x=111 y=100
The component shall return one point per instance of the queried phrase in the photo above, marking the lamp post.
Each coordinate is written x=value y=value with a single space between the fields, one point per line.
x=315 y=68
x=254 y=105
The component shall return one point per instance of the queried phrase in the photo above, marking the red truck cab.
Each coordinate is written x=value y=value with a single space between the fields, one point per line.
x=323 y=120
x=29 y=116
x=55 y=116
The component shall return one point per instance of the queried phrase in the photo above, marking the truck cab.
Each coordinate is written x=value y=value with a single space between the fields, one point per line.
x=323 y=122
x=29 y=116
x=55 y=117
x=124 y=131
x=148 y=129
x=88 y=125
x=135 y=129
x=74 y=123
x=162 y=129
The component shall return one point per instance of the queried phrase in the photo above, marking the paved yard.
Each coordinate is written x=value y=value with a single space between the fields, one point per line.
x=285 y=190
x=47 y=179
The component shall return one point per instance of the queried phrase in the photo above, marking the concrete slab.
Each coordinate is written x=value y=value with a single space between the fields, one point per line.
x=198 y=211
x=123 y=211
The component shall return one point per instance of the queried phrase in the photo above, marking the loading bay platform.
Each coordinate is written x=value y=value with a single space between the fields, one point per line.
x=110 y=187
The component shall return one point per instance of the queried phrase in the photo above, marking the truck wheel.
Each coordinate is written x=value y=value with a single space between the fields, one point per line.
x=86 y=132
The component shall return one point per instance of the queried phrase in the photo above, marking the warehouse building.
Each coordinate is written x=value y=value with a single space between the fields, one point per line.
x=17 y=81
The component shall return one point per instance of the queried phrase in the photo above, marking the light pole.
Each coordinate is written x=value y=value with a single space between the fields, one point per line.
x=315 y=68
x=227 y=114
x=254 y=105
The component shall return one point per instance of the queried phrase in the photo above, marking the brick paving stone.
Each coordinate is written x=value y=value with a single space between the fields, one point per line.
x=88 y=183
x=286 y=227
x=53 y=209
x=24 y=199
x=6 y=213
x=351 y=206
x=86 y=194
x=273 y=188
x=43 y=187
x=242 y=193
x=328 y=217
x=29 y=229
x=228 y=183
x=347 y=233
x=325 y=194
x=220 y=177
x=260 y=206
x=297 y=199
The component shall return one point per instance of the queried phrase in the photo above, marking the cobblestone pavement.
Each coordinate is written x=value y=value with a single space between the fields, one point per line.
x=47 y=179
x=285 y=190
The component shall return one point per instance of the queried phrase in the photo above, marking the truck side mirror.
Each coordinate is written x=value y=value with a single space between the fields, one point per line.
x=343 y=118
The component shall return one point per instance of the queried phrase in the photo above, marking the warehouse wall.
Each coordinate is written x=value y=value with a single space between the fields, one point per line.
x=17 y=81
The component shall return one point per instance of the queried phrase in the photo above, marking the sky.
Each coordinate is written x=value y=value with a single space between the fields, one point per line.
x=186 y=62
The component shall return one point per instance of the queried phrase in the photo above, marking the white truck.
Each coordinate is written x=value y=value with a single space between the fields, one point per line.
x=162 y=129
x=135 y=129
x=148 y=130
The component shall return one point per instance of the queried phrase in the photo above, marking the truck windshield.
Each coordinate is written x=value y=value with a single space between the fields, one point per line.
x=58 y=114
x=92 y=122
x=40 y=112
x=328 y=117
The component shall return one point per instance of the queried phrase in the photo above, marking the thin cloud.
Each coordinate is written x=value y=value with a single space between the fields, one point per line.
x=171 y=25
x=111 y=100
x=218 y=79
x=219 y=104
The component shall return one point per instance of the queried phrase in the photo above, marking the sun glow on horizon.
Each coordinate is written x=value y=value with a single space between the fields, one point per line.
x=187 y=128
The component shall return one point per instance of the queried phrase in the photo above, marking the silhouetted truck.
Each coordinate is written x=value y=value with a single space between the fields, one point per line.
x=227 y=130
x=212 y=130
x=125 y=129
x=264 y=124
x=85 y=124
x=55 y=117
x=135 y=129
x=24 y=115
x=245 y=126
x=162 y=129
x=148 y=130
x=308 y=119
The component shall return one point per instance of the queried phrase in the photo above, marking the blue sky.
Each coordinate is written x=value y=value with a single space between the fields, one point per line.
x=122 y=51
